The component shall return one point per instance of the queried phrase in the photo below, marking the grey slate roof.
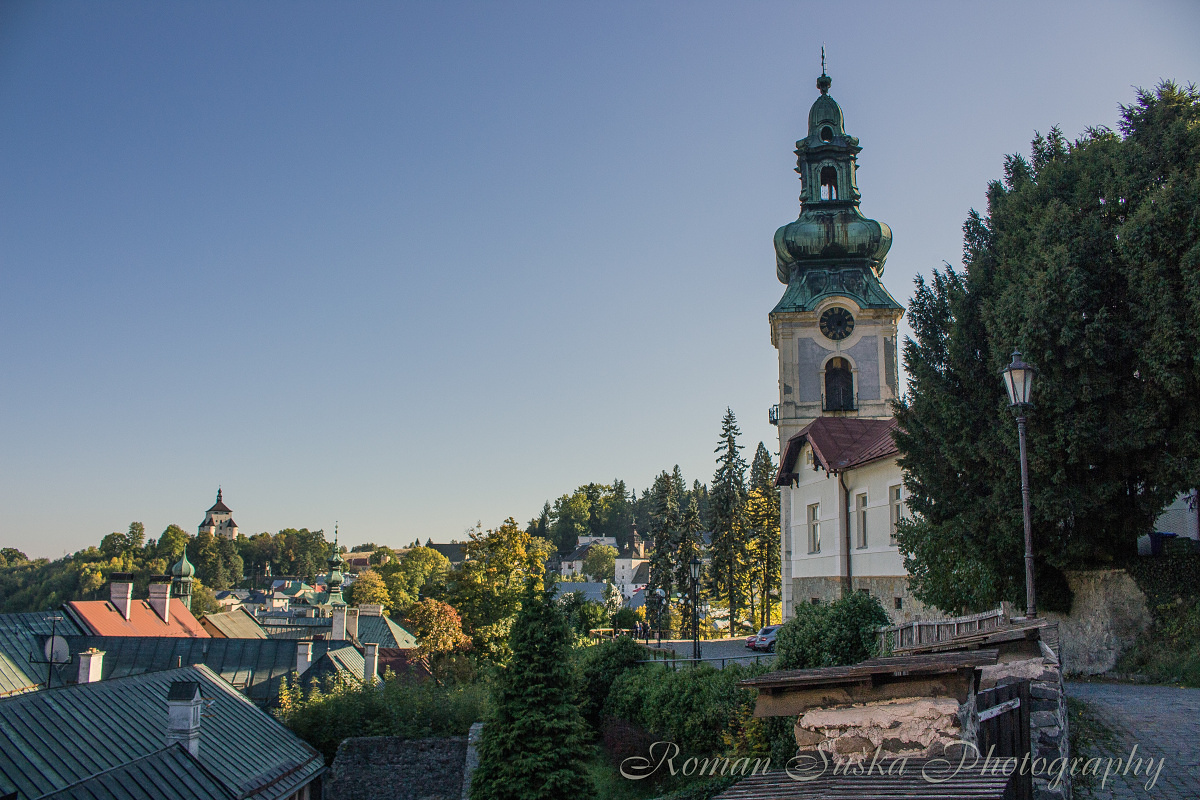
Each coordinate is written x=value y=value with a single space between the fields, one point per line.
x=55 y=739
x=592 y=591
x=383 y=632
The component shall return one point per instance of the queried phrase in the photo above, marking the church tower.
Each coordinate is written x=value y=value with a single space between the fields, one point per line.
x=835 y=326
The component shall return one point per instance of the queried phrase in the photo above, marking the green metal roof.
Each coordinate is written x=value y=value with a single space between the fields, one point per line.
x=385 y=633
x=55 y=739
x=255 y=667
x=807 y=289
x=170 y=774
x=22 y=635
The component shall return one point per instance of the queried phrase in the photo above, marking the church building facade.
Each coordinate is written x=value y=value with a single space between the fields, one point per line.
x=835 y=329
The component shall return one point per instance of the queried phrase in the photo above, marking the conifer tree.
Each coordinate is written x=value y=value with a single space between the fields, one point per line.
x=688 y=546
x=664 y=509
x=1088 y=262
x=762 y=517
x=728 y=503
x=535 y=745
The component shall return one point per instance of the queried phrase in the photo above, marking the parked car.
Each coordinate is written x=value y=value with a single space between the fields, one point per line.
x=765 y=639
x=750 y=640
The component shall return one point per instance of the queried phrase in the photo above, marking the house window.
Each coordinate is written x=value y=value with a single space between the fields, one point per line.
x=828 y=183
x=839 y=385
x=816 y=601
x=896 y=506
x=899 y=603
x=814 y=528
x=860 y=506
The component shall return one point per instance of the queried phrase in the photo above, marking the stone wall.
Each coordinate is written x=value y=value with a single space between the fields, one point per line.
x=378 y=767
x=1107 y=614
x=1048 y=718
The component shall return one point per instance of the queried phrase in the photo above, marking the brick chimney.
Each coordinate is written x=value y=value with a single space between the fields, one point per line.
x=120 y=592
x=160 y=596
x=183 y=715
x=90 y=663
x=371 y=659
x=303 y=657
x=370 y=610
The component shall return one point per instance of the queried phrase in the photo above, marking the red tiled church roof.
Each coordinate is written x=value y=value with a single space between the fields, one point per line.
x=839 y=444
x=101 y=618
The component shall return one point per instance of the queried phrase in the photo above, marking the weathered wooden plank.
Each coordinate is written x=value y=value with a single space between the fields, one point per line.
x=782 y=702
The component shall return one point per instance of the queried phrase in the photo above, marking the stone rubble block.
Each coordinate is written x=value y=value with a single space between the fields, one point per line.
x=920 y=727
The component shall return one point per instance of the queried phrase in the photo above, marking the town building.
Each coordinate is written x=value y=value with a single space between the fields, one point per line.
x=181 y=733
x=121 y=615
x=835 y=329
x=218 y=520
x=632 y=567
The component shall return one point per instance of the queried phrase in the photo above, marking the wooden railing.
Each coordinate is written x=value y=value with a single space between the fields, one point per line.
x=893 y=638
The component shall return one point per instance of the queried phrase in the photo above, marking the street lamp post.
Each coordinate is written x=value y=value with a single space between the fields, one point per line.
x=661 y=597
x=1018 y=380
x=695 y=570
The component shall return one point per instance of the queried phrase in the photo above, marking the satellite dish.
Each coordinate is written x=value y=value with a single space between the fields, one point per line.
x=56 y=650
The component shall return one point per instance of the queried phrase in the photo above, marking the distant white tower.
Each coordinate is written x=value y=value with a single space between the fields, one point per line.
x=218 y=520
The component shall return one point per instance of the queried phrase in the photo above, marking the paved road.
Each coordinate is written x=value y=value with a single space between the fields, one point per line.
x=1164 y=722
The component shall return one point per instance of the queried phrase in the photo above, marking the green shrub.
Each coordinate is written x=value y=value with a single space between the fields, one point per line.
x=345 y=707
x=1169 y=651
x=599 y=666
x=843 y=632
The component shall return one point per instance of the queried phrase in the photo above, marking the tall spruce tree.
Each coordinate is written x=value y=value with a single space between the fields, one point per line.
x=535 y=745
x=1088 y=261
x=664 y=511
x=762 y=517
x=728 y=503
x=688 y=545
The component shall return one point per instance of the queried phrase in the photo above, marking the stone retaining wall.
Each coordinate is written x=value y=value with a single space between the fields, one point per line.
x=1107 y=614
x=378 y=767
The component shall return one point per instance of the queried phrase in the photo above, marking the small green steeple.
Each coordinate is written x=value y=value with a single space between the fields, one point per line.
x=183 y=574
x=334 y=581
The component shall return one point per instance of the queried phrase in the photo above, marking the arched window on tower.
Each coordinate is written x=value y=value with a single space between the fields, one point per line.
x=828 y=183
x=839 y=385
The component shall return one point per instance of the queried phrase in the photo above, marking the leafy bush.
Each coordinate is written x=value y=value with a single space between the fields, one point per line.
x=1169 y=651
x=345 y=707
x=692 y=707
x=842 y=632
x=599 y=667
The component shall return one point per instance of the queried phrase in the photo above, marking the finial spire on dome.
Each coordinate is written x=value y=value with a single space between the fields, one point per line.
x=824 y=82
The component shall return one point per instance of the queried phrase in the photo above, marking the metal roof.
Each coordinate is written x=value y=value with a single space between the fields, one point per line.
x=253 y=666
x=55 y=739
x=239 y=624
x=103 y=619
x=838 y=444
x=22 y=635
x=383 y=632
x=170 y=774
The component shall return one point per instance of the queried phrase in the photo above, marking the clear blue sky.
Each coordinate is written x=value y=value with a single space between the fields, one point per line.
x=412 y=265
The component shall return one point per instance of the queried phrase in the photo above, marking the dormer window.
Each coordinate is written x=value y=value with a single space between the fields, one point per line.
x=828 y=183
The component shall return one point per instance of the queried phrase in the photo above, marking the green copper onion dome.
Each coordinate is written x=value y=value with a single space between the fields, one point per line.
x=830 y=231
x=183 y=568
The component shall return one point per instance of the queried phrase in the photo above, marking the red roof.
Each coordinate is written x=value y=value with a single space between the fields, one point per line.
x=102 y=619
x=839 y=444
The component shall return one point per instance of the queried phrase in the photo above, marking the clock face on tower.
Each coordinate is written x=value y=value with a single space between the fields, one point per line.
x=837 y=323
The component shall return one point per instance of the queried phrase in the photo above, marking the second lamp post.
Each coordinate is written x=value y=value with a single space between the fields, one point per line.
x=694 y=567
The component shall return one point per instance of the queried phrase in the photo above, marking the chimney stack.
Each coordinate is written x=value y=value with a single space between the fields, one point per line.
x=339 y=624
x=160 y=596
x=120 y=592
x=351 y=623
x=371 y=659
x=370 y=610
x=303 y=657
x=183 y=715
x=90 y=663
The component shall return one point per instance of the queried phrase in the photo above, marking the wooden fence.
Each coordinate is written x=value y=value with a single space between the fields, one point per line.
x=895 y=638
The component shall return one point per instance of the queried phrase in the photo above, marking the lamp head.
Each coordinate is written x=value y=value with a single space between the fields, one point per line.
x=1018 y=380
x=695 y=568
